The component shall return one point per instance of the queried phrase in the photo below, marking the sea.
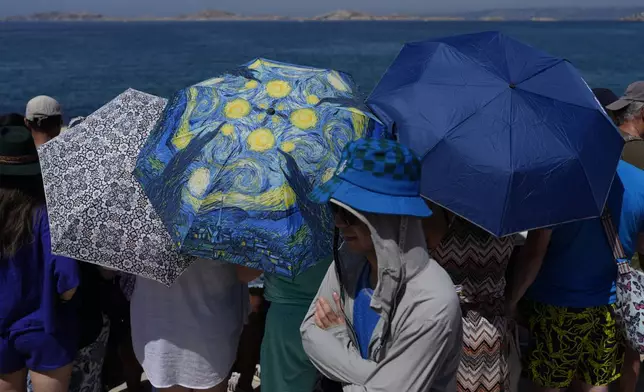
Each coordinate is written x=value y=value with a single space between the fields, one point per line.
x=84 y=65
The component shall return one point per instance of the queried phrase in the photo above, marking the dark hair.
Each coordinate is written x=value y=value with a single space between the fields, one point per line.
x=20 y=199
x=46 y=123
x=12 y=119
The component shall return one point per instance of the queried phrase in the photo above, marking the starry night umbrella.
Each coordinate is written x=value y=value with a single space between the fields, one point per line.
x=97 y=210
x=510 y=137
x=230 y=165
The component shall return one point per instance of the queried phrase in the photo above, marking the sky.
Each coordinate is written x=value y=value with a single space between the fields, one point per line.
x=283 y=7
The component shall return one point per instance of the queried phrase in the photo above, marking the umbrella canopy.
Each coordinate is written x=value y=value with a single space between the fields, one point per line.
x=510 y=137
x=97 y=211
x=231 y=163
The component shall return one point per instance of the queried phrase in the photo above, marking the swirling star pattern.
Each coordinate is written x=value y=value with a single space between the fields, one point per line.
x=231 y=163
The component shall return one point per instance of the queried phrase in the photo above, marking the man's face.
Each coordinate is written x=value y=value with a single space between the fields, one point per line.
x=355 y=232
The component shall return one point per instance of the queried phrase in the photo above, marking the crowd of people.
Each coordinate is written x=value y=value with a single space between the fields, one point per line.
x=415 y=298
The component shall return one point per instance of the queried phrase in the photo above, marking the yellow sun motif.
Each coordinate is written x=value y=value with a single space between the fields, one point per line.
x=280 y=107
x=312 y=99
x=263 y=106
x=227 y=129
x=287 y=146
x=198 y=181
x=261 y=139
x=251 y=84
x=336 y=81
x=261 y=117
x=304 y=118
x=278 y=88
x=275 y=119
x=237 y=108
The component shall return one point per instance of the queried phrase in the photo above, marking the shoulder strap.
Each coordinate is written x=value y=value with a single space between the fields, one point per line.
x=614 y=242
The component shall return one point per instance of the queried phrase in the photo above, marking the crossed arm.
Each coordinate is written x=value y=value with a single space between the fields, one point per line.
x=427 y=343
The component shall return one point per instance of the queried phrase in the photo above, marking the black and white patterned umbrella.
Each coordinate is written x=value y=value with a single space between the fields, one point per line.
x=98 y=212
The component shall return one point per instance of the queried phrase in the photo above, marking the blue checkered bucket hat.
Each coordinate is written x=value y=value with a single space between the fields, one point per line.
x=378 y=176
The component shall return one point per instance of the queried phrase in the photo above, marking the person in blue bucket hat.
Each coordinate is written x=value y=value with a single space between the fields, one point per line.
x=386 y=316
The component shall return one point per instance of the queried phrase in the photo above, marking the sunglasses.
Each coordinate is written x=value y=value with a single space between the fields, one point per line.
x=348 y=218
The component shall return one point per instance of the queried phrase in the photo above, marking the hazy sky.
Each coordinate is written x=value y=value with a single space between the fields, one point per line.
x=284 y=7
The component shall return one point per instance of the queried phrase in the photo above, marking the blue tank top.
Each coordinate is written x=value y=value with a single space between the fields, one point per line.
x=364 y=317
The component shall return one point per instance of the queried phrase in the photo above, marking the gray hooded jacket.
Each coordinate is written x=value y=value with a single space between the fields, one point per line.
x=416 y=345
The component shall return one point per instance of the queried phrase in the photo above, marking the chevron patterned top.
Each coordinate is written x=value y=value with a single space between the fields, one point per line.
x=475 y=259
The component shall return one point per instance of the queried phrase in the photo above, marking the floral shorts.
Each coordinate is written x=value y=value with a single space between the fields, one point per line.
x=572 y=343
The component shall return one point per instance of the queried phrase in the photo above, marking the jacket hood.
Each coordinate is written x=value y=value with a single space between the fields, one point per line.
x=401 y=252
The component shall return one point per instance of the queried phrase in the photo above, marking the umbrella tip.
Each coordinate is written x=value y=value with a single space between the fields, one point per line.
x=513 y=86
x=270 y=111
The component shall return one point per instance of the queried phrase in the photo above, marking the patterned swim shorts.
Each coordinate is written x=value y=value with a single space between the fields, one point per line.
x=572 y=343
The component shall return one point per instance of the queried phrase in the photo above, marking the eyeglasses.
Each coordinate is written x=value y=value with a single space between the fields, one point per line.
x=348 y=218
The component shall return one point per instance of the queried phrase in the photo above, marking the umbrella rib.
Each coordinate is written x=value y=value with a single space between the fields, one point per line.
x=461 y=123
x=389 y=92
x=417 y=80
x=384 y=75
x=489 y=72
x=454 y=85
x=475 y=61
x=603 y=202
x=398 y=88
x=554 y=99
x=541 y=71
x=564 y=139
x=509 y=185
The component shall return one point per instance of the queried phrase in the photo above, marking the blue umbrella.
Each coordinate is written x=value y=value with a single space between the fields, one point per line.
x=511 y=138
x=232 y=160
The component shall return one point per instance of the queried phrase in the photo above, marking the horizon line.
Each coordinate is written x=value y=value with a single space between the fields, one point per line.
x=418 y=14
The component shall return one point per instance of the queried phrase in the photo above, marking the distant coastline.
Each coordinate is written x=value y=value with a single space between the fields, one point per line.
x=501 y=15
x=635 y=17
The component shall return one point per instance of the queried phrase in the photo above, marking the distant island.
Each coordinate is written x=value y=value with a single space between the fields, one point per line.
x=555 y=14
x=344 y=15
x=215 y=15
x=630 y=14
x=635 y=18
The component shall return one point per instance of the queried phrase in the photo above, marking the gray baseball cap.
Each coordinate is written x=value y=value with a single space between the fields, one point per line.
x=634 y=93
x=42 y=107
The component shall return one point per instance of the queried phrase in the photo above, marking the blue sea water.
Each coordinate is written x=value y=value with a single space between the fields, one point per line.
x=84 y=65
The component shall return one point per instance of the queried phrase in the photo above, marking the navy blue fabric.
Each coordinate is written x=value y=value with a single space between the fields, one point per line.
x=365 y=318
x=376 y=175
x=37 y=350
x=579 y=270
x=509 y=137
x=31 y=282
